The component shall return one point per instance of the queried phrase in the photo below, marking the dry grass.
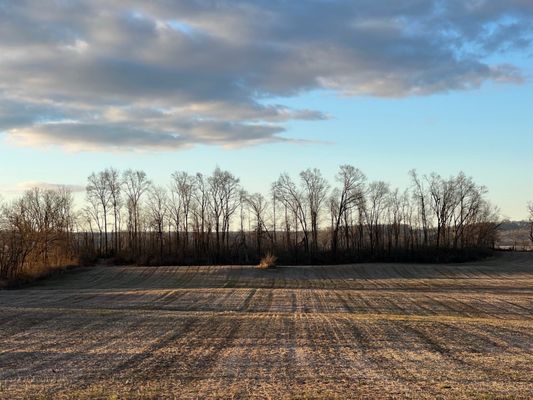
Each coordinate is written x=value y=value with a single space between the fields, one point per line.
x=363 y=331
x=269 y=261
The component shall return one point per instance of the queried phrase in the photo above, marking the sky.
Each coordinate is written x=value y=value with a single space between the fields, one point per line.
x=262 y=87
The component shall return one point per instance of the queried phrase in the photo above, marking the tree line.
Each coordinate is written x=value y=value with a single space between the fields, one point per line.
x=199 y=218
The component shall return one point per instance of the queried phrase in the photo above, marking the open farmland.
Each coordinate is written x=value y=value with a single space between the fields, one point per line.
x=379 y=330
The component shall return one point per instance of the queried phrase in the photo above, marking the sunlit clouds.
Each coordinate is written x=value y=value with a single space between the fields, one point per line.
x=136 y=75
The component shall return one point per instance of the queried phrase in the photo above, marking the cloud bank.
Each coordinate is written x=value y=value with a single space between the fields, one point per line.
x=162 y=75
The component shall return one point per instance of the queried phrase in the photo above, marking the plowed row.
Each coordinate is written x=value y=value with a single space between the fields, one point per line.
x=369 y=330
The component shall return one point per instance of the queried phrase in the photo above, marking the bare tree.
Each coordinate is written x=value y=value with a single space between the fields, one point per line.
x=158 y=211
x=232 y=198
x=35 y=232
x=315 y=189
x=182 y=191
x=409 y=227
x=135 y=185
x=468 y=202
x=483 y=229
x=293 y=199
x=420 y=194
x=200 y=210
x=396 y=217
x=274 y=228
x=99 y=194
x=216 y=201
x=92 y=212
x=224 y=201
x=114 y=186
x=345 y=198
x=442 y=193
x=258 y=206
x=376 y=202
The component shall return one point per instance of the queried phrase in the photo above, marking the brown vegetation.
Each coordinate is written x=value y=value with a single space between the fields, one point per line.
x=269 y=261
x=37 y=234
x=347 y=331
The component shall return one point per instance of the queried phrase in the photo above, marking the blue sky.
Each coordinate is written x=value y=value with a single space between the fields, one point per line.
x=385 y=89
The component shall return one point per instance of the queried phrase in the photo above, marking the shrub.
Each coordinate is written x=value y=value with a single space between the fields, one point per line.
x=268 y=261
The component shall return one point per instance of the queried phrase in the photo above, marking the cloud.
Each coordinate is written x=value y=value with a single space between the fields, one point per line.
x=76 y=136
x=159 y=75
x=23 y=186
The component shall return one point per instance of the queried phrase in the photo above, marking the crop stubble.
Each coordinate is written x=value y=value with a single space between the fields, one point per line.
x=363 y=330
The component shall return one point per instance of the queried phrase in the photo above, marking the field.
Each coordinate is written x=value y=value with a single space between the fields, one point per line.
x=366 y=330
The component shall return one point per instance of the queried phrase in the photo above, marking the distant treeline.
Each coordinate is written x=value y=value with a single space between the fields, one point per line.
x=198 y=219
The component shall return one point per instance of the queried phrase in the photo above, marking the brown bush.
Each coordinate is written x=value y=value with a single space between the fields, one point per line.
x=268 y=261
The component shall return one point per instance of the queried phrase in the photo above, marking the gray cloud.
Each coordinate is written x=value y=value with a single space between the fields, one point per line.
x=159 y=75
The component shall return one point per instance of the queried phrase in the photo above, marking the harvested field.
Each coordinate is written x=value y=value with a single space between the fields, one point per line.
x=367 y=330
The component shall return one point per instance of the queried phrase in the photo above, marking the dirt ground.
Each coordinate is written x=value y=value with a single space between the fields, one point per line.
x=355 y=331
